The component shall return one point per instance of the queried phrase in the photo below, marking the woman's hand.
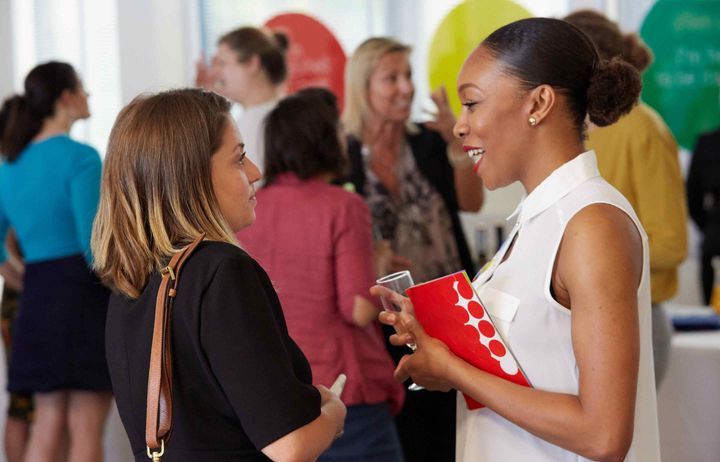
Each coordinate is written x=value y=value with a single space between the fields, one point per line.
x=13 y=268
x=468 y=186
x=430 y=365
x=327 y=397
x=444 y=118
x=312 y=439
x=204 y=75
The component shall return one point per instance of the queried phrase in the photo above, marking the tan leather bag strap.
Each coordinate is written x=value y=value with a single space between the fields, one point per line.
x=158 y=419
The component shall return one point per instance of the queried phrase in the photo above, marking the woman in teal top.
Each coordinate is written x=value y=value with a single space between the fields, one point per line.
x=49 y=189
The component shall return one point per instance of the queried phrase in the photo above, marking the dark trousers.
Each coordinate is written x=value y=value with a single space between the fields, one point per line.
x=426 y=426
x=707 y=275
x=369 y=435
x=426 y=423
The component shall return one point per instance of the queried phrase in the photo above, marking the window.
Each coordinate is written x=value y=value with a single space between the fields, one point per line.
x=83 y=33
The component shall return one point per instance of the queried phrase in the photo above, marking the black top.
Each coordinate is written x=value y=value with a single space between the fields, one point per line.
x=240 y=381
x=703 y=190
x=430 y=152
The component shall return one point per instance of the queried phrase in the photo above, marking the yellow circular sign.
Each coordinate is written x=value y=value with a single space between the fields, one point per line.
x=459 y=33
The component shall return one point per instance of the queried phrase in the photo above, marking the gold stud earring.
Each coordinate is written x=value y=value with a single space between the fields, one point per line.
x=532 y=121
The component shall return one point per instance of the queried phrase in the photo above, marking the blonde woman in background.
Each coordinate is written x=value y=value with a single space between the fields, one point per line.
x=415 y=179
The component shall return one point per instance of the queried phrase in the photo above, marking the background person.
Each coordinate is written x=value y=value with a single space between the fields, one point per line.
x=249 y=68
x=570 y=294
x=315 y=241
x=20 y=408
x=49 y=188
x=638 y=155
x=242 y=389
x=415 y=179
x=703 y=195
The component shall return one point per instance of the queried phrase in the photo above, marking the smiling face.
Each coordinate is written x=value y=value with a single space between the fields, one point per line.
x=390 y=89
x=493 y=124
x=232 y=76
x=233 y=177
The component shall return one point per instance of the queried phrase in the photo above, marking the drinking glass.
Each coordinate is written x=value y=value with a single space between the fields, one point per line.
x=398 y=282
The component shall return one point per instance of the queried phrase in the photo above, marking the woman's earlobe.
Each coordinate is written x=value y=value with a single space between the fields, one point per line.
x=543 y=101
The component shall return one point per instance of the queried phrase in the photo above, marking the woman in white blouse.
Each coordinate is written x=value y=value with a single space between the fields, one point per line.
x=570 y=293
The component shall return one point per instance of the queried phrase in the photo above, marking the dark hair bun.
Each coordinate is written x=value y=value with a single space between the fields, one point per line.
x=613 y=91
x=281 y=39
x=636 y=52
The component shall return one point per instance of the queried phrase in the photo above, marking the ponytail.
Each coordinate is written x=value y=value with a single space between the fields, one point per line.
x=22 y=116
x=18 y=126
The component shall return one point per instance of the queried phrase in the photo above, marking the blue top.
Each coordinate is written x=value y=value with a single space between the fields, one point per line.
x=49 y=195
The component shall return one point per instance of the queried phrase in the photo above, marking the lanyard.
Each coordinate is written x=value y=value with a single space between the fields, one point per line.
x=488 y=270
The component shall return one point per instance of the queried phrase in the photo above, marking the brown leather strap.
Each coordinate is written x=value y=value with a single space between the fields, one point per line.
x=158 y=420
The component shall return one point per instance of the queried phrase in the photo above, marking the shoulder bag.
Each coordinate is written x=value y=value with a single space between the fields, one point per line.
x=158 y=419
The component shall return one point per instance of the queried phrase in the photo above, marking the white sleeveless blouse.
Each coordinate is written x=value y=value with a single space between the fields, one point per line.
x=537 y=329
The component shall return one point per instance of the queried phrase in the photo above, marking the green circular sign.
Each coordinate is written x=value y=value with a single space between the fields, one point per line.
x=683 y=83
x=459 y=33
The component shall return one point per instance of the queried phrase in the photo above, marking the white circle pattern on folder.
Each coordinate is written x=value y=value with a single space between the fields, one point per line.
x=489 y=337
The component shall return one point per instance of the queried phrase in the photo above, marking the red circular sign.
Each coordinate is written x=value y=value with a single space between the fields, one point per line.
x=315 y=57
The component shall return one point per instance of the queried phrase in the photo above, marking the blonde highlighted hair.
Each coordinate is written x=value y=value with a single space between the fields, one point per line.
x=156 y=192
x=358 y=70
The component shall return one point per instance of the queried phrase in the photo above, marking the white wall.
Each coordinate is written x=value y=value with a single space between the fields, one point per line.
x=157 y=45
x=6 y=49
x=6 y=87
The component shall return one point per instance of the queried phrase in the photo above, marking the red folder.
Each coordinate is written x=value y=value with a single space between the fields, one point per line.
x=449 y=309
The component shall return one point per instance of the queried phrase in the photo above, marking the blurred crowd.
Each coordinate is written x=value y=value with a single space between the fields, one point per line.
x=303 y=207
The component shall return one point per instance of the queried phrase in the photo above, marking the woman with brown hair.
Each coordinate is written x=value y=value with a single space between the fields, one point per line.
x=242 y=389
x=249 y=68
x=314 y=239
x=49 y=188
x=570 y=290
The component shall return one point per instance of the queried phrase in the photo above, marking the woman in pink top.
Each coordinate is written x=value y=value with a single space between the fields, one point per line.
x=314 y=240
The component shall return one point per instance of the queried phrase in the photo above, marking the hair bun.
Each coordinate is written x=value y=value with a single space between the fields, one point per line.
x=636 y=52
x=613 y=91
x=281 y=39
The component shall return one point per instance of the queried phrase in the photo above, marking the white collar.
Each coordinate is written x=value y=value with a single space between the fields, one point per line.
x=558 y=184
